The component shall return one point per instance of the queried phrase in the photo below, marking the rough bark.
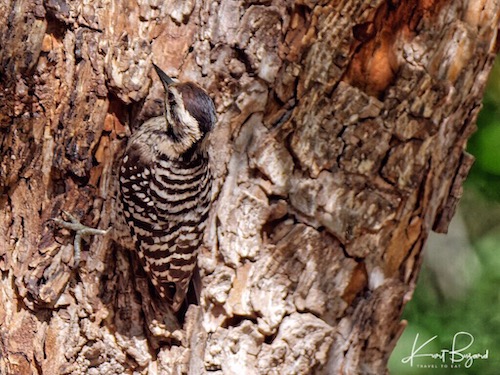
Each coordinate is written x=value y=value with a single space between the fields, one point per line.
x=340 y=145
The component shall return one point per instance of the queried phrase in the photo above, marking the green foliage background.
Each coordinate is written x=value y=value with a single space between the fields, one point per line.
x=433 y=309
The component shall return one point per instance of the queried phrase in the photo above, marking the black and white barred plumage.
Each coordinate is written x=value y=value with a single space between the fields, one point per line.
x=165 y=188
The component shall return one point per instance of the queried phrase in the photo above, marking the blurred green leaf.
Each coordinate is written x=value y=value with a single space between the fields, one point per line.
x=488 y=146
x=485 y=143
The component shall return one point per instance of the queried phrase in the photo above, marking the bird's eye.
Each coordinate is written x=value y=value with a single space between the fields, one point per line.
x=171 y=100
x=172 y=288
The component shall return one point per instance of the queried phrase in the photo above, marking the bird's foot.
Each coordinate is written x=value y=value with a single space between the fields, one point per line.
x=81 y=231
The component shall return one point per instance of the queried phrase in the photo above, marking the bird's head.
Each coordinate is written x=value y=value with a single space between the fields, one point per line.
x=189 y=111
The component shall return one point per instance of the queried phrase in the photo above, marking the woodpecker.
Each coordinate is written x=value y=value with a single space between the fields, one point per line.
x=165 y=185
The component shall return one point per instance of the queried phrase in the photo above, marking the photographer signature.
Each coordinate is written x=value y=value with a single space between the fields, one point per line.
x=455 y=355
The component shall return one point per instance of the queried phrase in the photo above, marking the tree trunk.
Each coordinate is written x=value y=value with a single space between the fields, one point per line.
x=339 y=146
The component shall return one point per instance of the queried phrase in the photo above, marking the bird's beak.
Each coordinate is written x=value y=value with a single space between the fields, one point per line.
x=165 y=79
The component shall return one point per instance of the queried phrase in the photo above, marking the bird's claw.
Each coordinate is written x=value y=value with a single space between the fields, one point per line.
x=81 y=231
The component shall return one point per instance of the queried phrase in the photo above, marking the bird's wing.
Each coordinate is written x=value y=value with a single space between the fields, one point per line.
x=146 y=223
x=162 y=222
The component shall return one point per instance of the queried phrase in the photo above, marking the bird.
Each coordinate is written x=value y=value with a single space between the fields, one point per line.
x=165 y=189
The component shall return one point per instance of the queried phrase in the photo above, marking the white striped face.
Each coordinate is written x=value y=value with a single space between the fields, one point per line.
x=189 y=112
x=183 y=128
x=190 y=115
